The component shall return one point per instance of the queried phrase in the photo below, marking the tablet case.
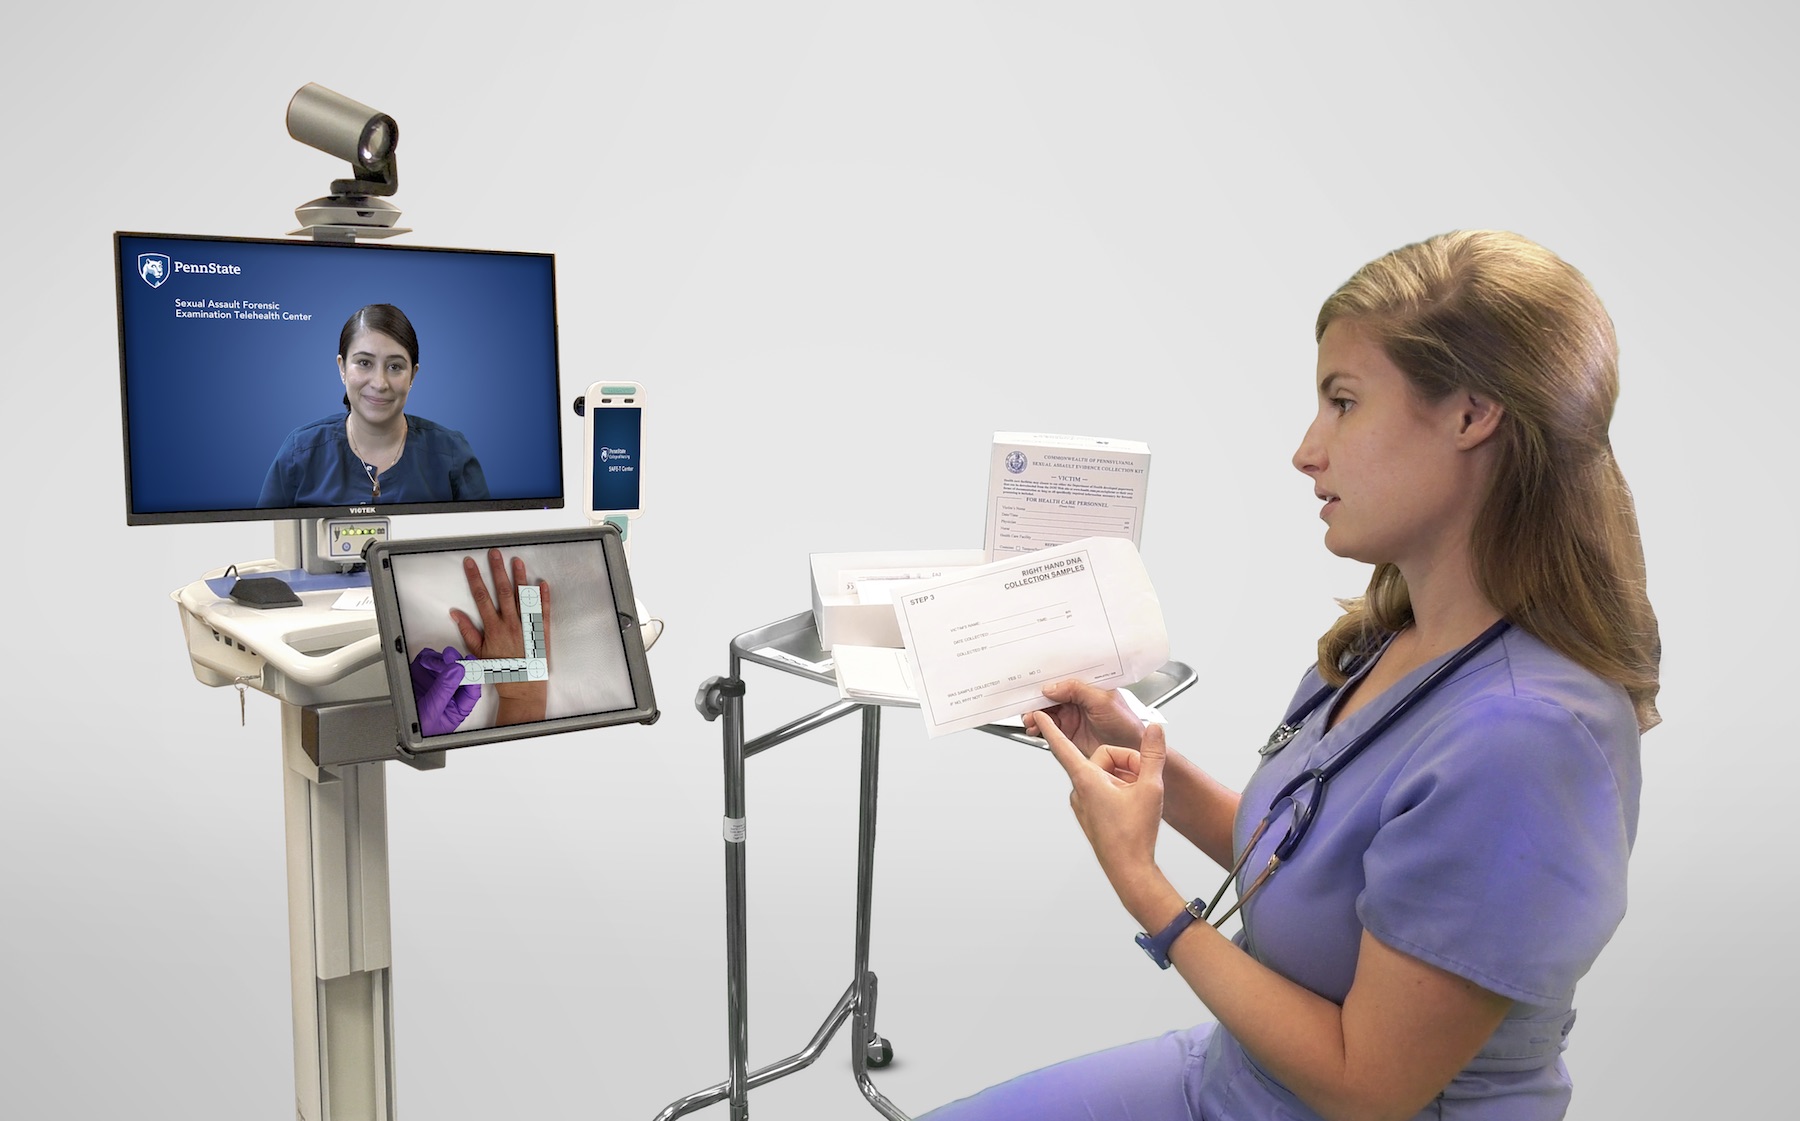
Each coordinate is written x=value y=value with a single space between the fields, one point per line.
x=388 y=572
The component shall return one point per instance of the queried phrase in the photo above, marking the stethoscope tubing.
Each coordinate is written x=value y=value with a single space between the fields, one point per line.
x=1320 y=776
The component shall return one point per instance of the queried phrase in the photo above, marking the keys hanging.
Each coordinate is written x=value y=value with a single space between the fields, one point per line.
x=240 y=682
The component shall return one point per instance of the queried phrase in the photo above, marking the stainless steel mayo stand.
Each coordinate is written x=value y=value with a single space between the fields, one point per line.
x=797 y=637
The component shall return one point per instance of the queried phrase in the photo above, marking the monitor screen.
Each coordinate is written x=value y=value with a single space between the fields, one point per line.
x=269 y=379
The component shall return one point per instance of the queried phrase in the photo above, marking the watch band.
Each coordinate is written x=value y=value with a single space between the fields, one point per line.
x=1158 y=947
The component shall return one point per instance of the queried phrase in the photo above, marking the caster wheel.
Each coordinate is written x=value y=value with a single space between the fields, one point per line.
x=880 y=1053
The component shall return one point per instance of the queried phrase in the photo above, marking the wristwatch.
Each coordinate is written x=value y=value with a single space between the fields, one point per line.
x=1158 y=947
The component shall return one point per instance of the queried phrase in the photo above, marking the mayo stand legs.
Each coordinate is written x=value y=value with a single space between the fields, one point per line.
x=865 y=1044
x=725 y=697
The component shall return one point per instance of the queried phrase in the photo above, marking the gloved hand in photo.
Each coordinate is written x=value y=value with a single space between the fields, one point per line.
x=444 y=701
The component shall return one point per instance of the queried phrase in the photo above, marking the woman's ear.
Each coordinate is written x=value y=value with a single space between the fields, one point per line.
x=1477 y=420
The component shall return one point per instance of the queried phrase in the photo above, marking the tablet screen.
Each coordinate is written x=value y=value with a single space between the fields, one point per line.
x=506 y=636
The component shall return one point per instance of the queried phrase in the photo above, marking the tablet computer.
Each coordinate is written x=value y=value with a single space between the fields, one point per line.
x=505 y=636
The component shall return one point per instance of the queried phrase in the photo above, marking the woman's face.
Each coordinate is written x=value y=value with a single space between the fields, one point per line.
x=1394 y=473
x=377 y=374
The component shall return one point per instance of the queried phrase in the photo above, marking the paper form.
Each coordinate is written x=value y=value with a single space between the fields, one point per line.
x=1019 y=525
x=876 y=585
x=796 y=660
x=882 y=675
x=884 y=591
x=355 y=599
x=983 y=643
x=1049 y=490
x=1138 y=709
x=875 y=675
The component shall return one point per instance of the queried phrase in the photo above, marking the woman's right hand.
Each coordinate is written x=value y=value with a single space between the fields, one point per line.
x=501 y=633
x=1090 y=716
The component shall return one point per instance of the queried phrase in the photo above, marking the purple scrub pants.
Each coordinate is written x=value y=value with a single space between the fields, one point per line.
x=1150 y=1080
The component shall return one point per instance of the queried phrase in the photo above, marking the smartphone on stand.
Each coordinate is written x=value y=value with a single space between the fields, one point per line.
x=615 y=437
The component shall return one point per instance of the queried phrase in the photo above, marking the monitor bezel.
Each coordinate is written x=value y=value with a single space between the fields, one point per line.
x=135 y=517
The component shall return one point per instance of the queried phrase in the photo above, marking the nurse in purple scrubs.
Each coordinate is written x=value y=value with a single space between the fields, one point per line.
x=1432 y=850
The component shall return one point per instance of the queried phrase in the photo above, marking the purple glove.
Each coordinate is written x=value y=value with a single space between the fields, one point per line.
x=444 y=701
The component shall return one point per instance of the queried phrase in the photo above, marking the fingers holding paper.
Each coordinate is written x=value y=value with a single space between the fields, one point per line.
x=1091 y=716
x=1117 y=796
x=984 y=641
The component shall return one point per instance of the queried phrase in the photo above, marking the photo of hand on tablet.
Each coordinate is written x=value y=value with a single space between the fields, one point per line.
x=466 y=633
x=500 y=633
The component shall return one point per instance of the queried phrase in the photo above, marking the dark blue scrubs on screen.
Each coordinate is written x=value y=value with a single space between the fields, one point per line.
x=315 y=467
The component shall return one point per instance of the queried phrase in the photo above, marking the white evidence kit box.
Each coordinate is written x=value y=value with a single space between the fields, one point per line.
x=1046 y=490
x=852 y=593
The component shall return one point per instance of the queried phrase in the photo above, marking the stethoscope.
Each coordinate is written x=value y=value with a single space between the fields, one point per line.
x=1313 y=781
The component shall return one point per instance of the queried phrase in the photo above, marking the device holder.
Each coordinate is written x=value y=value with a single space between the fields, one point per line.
x=620 y=521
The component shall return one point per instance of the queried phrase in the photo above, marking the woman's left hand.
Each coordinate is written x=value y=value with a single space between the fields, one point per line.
x=1117 y=796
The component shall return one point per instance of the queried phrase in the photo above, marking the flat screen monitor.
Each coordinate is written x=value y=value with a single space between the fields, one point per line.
x=267 y=379
x=503 y=636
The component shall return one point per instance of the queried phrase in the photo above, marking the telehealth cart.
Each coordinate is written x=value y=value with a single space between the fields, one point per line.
x=337 y=729
x=349 y=705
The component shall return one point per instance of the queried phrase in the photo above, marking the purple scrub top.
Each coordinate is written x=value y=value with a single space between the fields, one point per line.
x=1486 y=833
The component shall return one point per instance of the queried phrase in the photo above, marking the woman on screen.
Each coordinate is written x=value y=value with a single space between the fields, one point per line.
x=376 y=451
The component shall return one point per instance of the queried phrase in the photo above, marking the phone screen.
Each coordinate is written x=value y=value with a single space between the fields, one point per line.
x=617 y=437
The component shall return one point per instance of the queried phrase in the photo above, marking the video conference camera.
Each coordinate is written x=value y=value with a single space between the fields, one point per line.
x=368 y=139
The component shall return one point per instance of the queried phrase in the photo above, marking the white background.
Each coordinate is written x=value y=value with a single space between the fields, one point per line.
x=842 y=244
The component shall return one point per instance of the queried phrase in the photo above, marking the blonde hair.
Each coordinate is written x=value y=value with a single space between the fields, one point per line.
x=1555 y=543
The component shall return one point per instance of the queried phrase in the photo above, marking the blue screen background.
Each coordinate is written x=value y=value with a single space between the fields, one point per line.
x=208 y=401
x=615 y=431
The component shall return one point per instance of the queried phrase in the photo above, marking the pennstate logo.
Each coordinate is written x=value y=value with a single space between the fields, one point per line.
x=1016 y=461
x=154 y=268
x=607 y=453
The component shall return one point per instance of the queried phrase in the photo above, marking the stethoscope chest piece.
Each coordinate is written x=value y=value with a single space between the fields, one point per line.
x=1285 y=731
x=1282 y=736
